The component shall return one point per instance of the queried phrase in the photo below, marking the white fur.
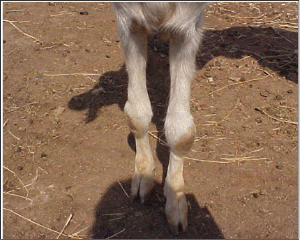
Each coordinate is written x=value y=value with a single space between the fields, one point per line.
x=182 y=22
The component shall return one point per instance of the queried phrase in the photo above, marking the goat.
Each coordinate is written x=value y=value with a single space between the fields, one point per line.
x=182 y=23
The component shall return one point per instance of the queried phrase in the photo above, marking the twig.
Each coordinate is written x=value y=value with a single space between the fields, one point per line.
x=206 y=161
x=68 y=221
x=35 y=39
x=13 y=135
x=115 y=219
x=84 y=74
x=36 y=176
x=273 y=117
x=77 y=233
x=157 y=138
x=5 y=123
x=112 y=214
x=237 y=103
x=238 y=84
x=29 y=220
x=27 y=192
x=123 y=189
x=116 y=234
x=15 y=195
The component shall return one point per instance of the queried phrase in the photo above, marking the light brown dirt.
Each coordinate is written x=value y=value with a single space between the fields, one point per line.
x=66 y=144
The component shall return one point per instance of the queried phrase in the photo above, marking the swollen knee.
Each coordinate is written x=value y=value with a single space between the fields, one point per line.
x=180 y=134
x=139 y=117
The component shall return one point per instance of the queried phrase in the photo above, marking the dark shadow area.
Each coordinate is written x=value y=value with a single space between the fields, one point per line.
x=114 y=213
x=272 y=48
x=276 y=49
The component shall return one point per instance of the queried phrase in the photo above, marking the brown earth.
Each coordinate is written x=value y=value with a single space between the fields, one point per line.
x=66 y=144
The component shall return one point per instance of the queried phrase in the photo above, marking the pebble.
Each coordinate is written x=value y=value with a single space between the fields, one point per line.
x=265 y=93
x=258 y=120
x=279 y=97
x=20 y=168
x=84 y=13
x=279 y=167
x=18 y=149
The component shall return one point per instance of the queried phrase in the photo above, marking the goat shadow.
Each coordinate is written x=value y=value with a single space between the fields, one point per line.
x=273 y=48
x=114 y=215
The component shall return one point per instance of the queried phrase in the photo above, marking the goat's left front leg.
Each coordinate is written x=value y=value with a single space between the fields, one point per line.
x=179 y=126
x=138 y=108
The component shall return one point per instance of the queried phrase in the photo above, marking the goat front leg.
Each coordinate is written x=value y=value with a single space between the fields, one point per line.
x=138 y=108
x=179 y=126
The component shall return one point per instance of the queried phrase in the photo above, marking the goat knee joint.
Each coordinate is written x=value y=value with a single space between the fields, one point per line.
x=139 y=118
x=180 y=134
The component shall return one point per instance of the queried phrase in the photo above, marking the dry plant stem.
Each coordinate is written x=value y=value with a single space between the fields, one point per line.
x=5 y=123
x=68 y=221
x=116 y=234
x=237 y=84
x=84 y=74
x=112 y=214
x=35 y=39
x=29 y=220
x=27 y=192
x=285 y=121
x=77 y=233
x=15 y=195
x=207 y=161
x=123 y=189
x=36 y=176
x=13 y=135
x=157 y=138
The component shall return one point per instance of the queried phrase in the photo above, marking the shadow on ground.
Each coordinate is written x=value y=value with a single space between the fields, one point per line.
x=115 y=215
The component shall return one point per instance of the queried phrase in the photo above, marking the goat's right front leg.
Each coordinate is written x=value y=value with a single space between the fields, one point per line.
x=138 y=108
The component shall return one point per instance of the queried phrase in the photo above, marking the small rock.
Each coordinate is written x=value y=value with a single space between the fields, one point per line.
x=107 y=56
x=18 y=149
x=58 y=111
x=255 y=195
x=279 y=166
x=263 y=192
x=279 y=97
x=258 y=120
x=265 y=93
x=43 y=155
x=87 y=50
x=20 y=168
x=4 y=41
x=84 y=12
x=290 y=91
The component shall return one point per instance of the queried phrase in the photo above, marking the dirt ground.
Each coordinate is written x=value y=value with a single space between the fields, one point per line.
x=68 y=156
